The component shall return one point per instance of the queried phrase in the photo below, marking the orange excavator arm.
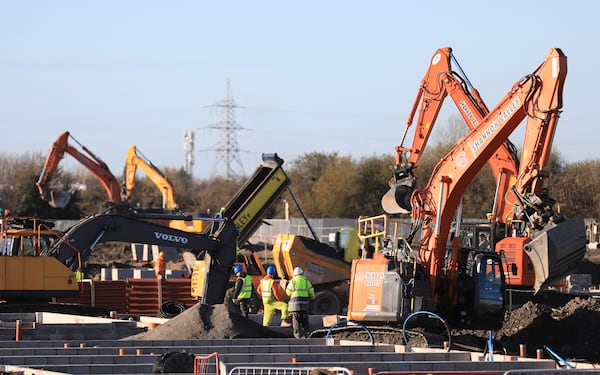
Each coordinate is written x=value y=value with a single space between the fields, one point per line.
x=135 y=159
x=439 y=81
x=537 y=96
x=537 y=147
x=86 y=158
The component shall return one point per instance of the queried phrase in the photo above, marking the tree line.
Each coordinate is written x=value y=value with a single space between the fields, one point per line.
x=327 y=185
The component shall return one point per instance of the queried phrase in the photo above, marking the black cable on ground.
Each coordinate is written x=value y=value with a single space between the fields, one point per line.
x=170 y=309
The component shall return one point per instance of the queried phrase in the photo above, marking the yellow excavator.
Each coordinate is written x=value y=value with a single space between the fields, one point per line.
x=136 y=159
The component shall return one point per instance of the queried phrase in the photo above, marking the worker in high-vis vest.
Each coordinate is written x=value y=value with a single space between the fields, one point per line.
x=300 y=291
x=242 y=293
x=272 y=298
x=159 y=265
x=79 y=274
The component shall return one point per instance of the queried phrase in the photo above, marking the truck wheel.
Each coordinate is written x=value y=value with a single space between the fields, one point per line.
x=325 y=302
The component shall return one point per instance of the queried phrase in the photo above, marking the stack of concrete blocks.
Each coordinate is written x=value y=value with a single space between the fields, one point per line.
x=134 y=273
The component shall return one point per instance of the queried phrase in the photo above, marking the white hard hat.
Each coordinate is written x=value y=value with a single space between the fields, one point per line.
x=298 y=271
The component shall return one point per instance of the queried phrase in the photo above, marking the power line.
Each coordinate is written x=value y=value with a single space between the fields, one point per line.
x=227 y=150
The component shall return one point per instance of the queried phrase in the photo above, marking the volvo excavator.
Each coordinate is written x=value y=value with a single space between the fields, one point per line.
x=217 y=247
x=467 y=284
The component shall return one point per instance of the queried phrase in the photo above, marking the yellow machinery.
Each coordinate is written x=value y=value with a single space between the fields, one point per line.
x=24 y=274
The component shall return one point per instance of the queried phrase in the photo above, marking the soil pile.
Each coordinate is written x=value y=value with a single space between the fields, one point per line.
x=572 y=330
x=207 y=322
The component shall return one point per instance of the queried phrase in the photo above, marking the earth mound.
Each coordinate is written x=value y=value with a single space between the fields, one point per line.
x=570 y=330
x=207 y=322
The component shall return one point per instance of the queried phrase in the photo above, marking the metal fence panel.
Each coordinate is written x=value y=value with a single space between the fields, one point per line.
x=287 y=370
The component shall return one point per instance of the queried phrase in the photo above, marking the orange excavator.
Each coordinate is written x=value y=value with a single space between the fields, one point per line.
x=467 y=284
x=60 y=199
x=513 y=183
x=439 y=81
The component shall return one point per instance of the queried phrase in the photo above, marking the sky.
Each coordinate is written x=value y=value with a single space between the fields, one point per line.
x=325 y=76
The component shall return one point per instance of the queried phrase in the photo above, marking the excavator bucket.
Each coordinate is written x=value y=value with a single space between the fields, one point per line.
x=59 y=199
x=556 y=251
x=397 y=199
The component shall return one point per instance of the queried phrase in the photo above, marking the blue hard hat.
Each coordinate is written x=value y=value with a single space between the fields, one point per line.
x=237 y=269
x=270 y=270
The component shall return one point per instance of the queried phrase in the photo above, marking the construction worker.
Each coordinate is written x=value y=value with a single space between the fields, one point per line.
x=483 y=244
x=272 y=298
x=79 y=274
x=300 y=291
x=159 y=265
x=242 y=290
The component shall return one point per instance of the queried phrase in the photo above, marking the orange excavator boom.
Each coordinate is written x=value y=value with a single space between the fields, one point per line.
x=439 y=81
x=537 y=96
x=86 y=158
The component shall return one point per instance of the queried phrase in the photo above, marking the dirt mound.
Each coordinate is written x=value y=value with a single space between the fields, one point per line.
x=207 y=322
x=571 y=330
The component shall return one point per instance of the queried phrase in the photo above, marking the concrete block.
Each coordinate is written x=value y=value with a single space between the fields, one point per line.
x=145 y=273
x=329 y=320
x=443 y=366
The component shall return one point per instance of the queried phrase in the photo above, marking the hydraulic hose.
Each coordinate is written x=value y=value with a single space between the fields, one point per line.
x=345 y=322
x=428 y=313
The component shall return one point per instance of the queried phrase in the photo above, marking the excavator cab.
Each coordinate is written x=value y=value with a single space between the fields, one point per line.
x=481 y=290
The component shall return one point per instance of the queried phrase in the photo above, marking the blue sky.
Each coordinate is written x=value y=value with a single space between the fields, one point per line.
x=312 y=75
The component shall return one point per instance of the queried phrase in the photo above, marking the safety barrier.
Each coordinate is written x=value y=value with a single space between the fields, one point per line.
x=289 y=371
x=109 y=294
x=202 y=364
x=474 y=372
x=133 y=296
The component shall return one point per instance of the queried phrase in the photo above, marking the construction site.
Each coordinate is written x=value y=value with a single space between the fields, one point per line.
x=417 y=289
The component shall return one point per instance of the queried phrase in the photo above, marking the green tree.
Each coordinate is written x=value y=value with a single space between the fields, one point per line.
x=182 y=186
x=304 y=172
x=209 y=195
x=19 y=192
x=373 y=176
x=335 y=193
x=576 y=190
